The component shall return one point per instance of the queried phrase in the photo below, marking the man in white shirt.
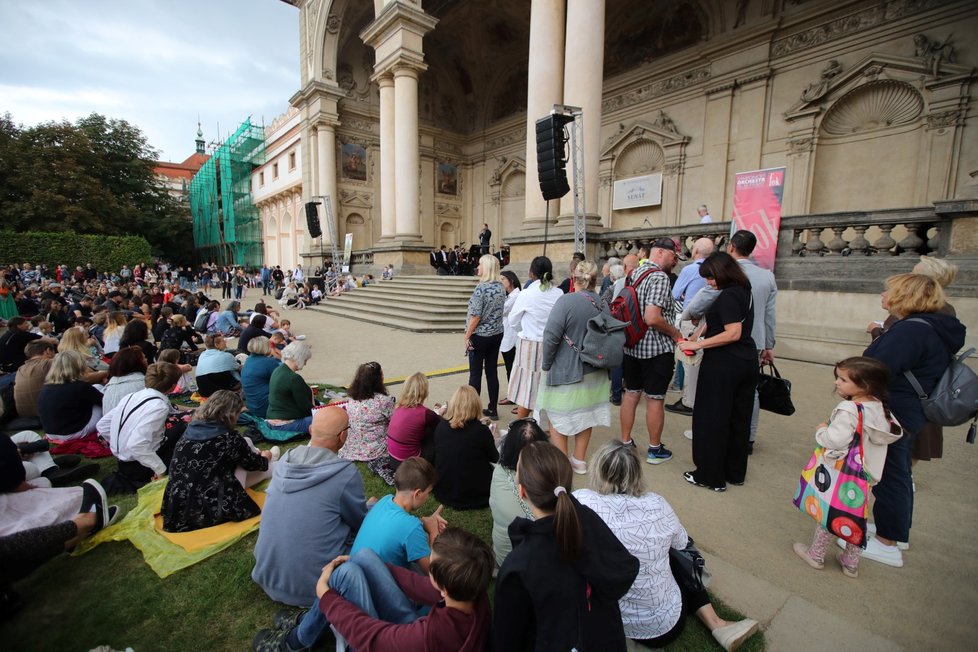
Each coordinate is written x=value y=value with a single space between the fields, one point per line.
x=704 y=214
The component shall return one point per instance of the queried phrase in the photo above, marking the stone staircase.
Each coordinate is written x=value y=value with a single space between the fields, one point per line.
x=424 y=304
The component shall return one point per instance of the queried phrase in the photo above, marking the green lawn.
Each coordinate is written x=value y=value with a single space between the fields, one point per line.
x=109 y=596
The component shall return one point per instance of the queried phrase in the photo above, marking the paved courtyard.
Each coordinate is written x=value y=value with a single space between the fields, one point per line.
x=747 y=532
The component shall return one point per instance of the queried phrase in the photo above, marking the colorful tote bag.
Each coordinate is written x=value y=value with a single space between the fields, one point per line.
x=836 y=492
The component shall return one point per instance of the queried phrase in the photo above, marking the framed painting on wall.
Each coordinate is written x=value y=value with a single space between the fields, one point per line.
x=446 y=179
x=354 y=163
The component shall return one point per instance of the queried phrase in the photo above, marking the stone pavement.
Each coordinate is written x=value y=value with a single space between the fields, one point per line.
x=746 y=533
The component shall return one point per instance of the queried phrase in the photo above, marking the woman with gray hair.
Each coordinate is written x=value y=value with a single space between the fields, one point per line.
x=256 y=374
x=290 y=400
x=654 y=610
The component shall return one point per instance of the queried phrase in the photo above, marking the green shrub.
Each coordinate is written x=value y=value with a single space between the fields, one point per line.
x=104 y=252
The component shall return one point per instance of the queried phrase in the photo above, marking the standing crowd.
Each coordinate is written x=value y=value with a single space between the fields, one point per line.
x=575 y=569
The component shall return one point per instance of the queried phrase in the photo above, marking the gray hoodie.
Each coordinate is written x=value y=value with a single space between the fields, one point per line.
x=313 y=509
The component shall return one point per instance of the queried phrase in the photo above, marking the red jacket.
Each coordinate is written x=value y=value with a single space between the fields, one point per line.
x=444 y=629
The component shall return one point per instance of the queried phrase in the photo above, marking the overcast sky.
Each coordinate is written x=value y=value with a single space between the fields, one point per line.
x=156 y=63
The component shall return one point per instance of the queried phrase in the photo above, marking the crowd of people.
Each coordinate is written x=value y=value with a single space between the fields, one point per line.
x=584 y=569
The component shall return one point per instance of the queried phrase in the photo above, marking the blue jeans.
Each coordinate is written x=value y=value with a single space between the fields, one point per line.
x=366 y=582
x=616 y=376
x=296 y=425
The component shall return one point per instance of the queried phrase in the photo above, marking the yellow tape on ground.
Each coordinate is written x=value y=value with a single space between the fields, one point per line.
x=438 y=373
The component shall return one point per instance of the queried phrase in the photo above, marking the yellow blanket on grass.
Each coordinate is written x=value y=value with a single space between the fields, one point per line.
x=168 y=552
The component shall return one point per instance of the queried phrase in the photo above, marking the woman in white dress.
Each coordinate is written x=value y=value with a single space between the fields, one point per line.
x=529 y=317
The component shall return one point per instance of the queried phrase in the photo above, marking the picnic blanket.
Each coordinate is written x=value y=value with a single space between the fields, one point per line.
x=88 y=446
x=168 y=552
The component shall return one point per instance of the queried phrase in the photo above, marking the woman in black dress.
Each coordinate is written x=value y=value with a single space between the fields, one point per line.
x=727 y=380
x=206 y=487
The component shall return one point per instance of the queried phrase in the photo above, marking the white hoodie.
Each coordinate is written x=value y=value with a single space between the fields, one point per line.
x=877 y=434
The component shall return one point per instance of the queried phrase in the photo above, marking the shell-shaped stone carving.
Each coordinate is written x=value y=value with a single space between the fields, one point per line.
x=874 y=105
x=641 y=157
x=514 y=185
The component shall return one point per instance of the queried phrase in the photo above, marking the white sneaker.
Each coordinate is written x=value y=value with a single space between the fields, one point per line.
x=276 y=453
x=580 y=467
x=902 y=545
x=688 y=434
x=300 y=337
x=884 y=554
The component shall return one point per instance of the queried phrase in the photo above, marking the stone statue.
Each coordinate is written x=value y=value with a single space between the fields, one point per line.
x=933 y=53
x=665 y=123
x=820 y=87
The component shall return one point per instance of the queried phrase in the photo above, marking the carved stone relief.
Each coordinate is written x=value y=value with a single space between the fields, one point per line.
x=874 y=105
x=818 y=88
x=518 y=136
x=933 y=53
x=944 y=119
x=655 y=89
x=640 y=157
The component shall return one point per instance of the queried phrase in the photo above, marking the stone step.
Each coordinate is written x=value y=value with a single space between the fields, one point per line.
x=404 y=304
x=425 y=304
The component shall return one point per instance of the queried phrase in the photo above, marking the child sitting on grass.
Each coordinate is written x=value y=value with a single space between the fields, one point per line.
x=389 y=534
x=374 y=606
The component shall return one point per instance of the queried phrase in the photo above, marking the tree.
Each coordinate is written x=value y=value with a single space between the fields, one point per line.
x=95 y=177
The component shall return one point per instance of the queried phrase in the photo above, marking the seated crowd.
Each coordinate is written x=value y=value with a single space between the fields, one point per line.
x=583 y=569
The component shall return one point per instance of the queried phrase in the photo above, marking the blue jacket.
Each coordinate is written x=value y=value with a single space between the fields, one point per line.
x=924 y=349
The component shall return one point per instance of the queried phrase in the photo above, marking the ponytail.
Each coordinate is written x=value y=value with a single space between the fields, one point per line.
x=546 y=476
x=567 y=528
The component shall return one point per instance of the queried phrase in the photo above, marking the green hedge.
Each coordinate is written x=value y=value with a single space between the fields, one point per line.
x=104 y=252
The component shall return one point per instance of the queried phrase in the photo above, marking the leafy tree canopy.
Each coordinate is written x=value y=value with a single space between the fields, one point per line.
x=91 y=177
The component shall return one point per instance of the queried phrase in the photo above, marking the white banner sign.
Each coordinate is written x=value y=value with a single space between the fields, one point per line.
x=638 y=191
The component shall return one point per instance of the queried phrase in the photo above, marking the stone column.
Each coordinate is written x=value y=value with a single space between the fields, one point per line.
x=583 y=77
x=406 y=153
x=388 y=209
x=326 y=142
x=545 y=86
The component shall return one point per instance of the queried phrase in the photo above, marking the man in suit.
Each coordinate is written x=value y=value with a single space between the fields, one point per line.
x=485 y=236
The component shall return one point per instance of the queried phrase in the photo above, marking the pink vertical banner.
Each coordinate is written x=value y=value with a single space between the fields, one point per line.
x=757 y=208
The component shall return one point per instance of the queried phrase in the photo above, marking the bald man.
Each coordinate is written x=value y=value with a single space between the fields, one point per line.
x=313 y=510
x=687 y=285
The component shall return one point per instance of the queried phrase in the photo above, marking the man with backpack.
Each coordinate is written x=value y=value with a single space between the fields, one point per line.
x=649 y=361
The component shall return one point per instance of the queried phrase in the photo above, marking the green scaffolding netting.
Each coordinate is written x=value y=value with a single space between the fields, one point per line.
x=227 y=226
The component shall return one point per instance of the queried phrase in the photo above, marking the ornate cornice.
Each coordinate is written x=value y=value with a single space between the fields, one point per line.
x=655 y=89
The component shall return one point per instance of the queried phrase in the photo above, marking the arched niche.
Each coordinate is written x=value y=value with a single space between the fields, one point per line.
x=881 y=134
x=512 y=202
x=447 y=234
x=642 y=148
x=357 y=225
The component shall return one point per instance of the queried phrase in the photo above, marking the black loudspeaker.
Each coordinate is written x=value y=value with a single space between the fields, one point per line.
x=551 y=156
x=312 y=219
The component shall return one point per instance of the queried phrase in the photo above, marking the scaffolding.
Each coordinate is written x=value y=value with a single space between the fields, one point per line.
x=227 y=225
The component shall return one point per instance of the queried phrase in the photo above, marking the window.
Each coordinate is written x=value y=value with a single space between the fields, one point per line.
x=274 y=171
x=291 y=161
x=261 y=179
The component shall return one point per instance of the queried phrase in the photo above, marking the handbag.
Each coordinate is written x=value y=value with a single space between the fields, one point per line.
x=835 y=492
x=689 y=567
x=774 y=392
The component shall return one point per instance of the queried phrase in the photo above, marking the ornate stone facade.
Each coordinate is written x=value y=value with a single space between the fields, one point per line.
x=694 y=90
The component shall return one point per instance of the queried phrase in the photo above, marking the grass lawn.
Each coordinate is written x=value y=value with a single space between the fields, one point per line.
x=109 y=596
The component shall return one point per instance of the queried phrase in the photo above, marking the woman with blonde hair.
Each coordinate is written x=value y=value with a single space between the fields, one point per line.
x=464 y=452
x=921 y=340
x=75 y=339
x=484 y=331
x=412 y=427
x=68 y=406
x=115 y=325
x=212 y=465
x=573 y=393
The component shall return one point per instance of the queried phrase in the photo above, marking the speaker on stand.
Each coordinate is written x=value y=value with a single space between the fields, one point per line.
x=314 y=229
x=551 y=161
